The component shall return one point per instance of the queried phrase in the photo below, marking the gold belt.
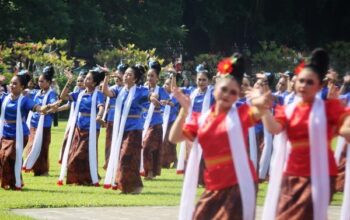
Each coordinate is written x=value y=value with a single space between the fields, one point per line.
x=217 y=160
x=134 y=116
x=85 y=114
x=10 y=121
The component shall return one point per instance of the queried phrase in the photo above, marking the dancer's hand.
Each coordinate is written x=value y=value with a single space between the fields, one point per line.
x=263 y=101
x=183 y=99
x=69 y=75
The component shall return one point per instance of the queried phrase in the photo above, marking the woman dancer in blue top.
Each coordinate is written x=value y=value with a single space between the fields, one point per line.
x=153 y=131
x=14 y=131
x=169 y=149
x=81 y=162
x=110 y=107
x=40 y=144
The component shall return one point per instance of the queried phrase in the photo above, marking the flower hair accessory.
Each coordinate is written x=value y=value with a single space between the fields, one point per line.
x=300 y=67
x=225 y=66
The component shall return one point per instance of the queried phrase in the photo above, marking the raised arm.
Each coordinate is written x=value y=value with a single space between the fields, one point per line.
x=64 y=94
x=176 y=134
x=105 y=88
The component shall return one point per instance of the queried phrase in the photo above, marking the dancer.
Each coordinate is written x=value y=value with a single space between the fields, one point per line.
x=152 y=135
x=14 y=131
x=37 y=149
x=230 y=178
x=70 y=106
x=110 y=106
x=170 y=111
x=305 y=187
x=80 y=154
x=201 y=100
x=123 y=170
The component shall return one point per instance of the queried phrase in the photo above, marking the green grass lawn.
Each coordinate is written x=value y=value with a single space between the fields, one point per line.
x=42 y=192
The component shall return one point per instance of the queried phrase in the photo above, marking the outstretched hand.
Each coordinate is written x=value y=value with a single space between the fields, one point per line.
x=258 y=99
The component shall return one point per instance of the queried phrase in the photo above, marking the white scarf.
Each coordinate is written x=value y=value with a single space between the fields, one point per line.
x=19 y=136
x=38 y=138
x=120 y=117
x=205 y=107
x=92 y=139
x=265 y=159
x=106 y=108
x=345 y=211
x=166 y=116
x=340 y=146
x=318 y=158
x=146 y=126
x=240 y=162
x=253 y=146
x=66 y=132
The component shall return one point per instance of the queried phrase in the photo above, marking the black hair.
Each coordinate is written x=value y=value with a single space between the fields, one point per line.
x=48 y=73
x=139 y=71
x=97 y=75
x=24 y=78
x=122 y=67
x=155 y=65
x=318 y=63
x=238 y=68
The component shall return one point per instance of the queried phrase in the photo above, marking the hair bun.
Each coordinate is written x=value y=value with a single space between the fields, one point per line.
x=320 y=61
x=201 y=68
x=238 y=67
x=122 y=67
x=155 y=65
x=83 y=72
x=141 y=68
x=24 y=77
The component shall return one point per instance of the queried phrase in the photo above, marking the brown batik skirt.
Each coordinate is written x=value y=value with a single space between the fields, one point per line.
x=78 y=169
x=8 y=160
x=168 y=151
x=41 y=165
x=128 y=175
x=340 y=180
x=109 y=133
x=224 y=204
x=152 y=148
x=295 y=202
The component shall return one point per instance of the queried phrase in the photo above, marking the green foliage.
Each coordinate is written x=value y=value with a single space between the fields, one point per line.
x=275 y=58
x=34 y=56
x=340 y=55
x=129 y=54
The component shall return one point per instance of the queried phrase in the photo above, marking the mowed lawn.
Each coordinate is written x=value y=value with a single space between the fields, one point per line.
x=42 y=192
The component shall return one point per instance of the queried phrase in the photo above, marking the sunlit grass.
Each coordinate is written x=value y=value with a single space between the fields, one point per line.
x=42 y=192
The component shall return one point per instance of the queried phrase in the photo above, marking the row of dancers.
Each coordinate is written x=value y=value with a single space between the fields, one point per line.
x=220 y=127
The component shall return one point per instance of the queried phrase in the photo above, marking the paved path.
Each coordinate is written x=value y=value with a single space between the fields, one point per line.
x=121 y=213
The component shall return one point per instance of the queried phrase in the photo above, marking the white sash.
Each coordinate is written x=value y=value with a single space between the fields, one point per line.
x=166 y=116
x=205 y=107
x=253 y=146
x=240 y=162
x=318 y=158
x=146 y=126
x=106 y=108
x=339 y=149
x=71 y=125
x=66 y=132
x=120 y=117
x=340 y=146
x=38 y=139
x=92 y=140
x=19 y=137
x=345 y=210
x=265 y=159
